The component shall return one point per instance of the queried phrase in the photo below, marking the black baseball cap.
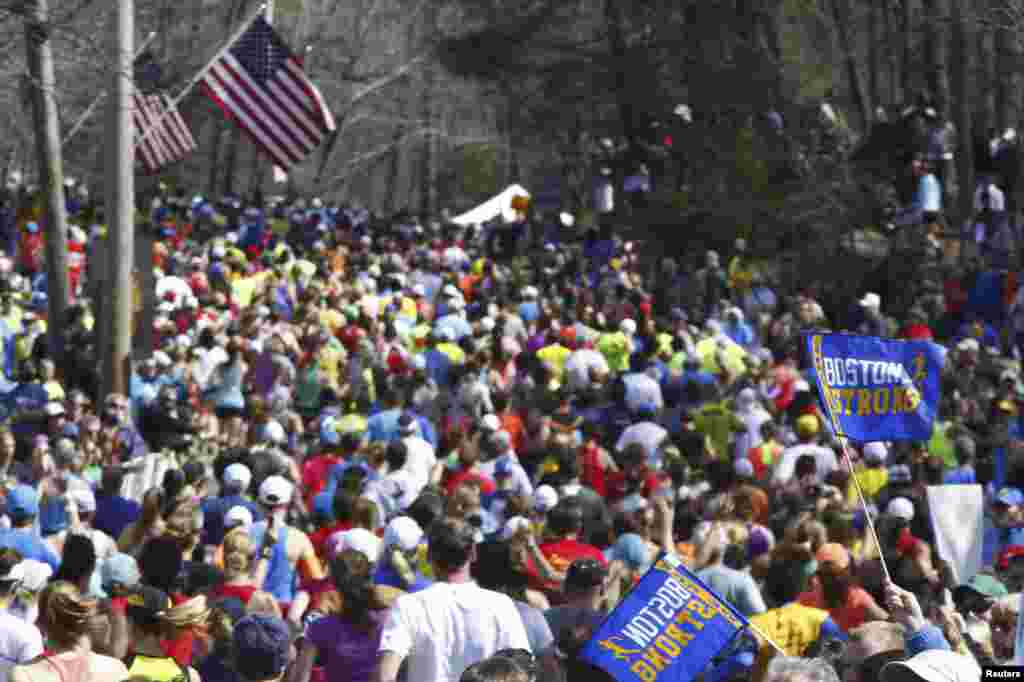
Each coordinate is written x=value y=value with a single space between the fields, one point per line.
x=584 y=574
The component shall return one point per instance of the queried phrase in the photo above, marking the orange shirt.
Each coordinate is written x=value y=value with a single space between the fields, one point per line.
x=512 y=424
x=848 y=616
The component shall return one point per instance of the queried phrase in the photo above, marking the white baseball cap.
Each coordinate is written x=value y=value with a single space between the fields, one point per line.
x=84 y=500
x=276 y=491
x=513 y=526
x=237 y=516
x=275 y=433
x=544 y=498
x=876 y=452
x=403 y=532
x=901 y=508
x=237 y=474
x=358 y=539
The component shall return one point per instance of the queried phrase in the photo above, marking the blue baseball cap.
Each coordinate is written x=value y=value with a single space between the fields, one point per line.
x=261 y=647
x=1011 y=497
x=23 y=500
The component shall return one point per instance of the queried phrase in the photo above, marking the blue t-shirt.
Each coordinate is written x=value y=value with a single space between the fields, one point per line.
x=438 y=366
x=29 y=546
x=388 y=576
x=529 y=311
x=960 y=476
x=383 y=426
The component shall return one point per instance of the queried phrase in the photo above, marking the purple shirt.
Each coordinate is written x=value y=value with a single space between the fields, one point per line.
x=347 y=652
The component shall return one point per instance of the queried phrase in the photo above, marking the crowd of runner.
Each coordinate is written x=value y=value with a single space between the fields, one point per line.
x=421 y=451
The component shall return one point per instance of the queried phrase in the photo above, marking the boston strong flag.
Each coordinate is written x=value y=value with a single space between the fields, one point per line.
x=668 y=627
x=877 y=389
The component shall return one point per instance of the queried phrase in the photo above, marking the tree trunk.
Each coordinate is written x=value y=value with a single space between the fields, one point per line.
x=842 y=16
x=891 y=55
x=51 y=170
x=1006 y=78
x=429 y=114
x=985 y=90
x=962 y=44
x=907 y=76
x=216 y=134
x=617 y=49
x=935 y=44
x=875 y=41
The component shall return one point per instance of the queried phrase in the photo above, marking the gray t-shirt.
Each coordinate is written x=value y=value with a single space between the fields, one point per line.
x=736 y=587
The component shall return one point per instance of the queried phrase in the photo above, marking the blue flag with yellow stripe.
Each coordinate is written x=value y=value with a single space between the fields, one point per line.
x=668 y=627
x=877 y=389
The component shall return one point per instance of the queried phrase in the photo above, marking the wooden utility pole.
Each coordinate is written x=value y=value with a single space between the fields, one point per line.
x=51 y=169
x=120 y=201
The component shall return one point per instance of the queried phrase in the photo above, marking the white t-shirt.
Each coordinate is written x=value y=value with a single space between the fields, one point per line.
x=420 y=461
x=825 y=458
x=447 y=627
x=579 y=364
x=20 y=642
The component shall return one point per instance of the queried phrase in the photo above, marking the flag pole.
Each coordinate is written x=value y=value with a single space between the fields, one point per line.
x=173 y=104
x=87 y=114
x=760 y=633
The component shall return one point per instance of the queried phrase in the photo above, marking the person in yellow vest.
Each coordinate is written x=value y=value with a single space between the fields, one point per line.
x=447 y=345
x=741 y=271
x=764 y=456
x=872 y=474
x=558 y=351
x=617 y=346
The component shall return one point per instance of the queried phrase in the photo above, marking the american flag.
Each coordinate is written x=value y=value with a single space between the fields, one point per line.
x=169 y=142
x=262 y=86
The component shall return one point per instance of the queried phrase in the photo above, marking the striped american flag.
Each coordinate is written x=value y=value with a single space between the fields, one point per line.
x=263 y=87
x=171 y=139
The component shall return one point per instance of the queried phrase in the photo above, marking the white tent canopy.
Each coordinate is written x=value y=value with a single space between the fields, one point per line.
x=500 y=205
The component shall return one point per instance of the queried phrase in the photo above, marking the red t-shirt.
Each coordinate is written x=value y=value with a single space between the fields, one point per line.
x=241 y=592
x=563 y=552
x=487 y=486
x=617 y=485
x=180 y=648
x=319 y=537
x=314 y=475
x=593 y=472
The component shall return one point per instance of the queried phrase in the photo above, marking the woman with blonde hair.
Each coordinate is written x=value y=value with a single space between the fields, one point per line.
x=153 y=620
x=65 y=617
x=242 y=579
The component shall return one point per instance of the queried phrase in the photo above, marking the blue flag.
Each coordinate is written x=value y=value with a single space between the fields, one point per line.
x=669 y=626
x=877 y=389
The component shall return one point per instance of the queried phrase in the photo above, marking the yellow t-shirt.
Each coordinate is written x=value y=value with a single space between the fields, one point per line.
x=616 y=349
x=793 y=627
x=332 y=319
x=871 y=481
x=330 y=358
x=55 y=391
x=454 y=353
x=554 y=356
